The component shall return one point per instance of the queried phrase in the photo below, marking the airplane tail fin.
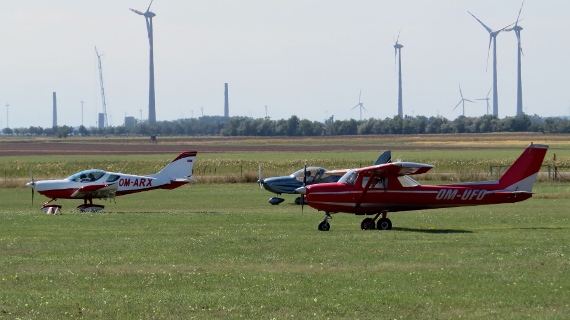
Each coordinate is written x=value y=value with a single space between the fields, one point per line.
x=385 y=157
x=179 y=168
x=523 y=172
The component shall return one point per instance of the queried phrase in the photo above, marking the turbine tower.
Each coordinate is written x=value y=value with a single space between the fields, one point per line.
x=103 y=102
x=360 y=104
x=148 y=15
x=462 y=101
x=517 y=29
x=493 y=38
x=398 y=52
x=487 y=99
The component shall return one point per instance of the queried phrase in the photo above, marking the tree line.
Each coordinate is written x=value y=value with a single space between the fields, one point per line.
x=294 y=126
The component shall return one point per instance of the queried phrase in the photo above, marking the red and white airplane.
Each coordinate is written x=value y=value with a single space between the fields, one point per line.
x=384 y=188
x=98 y=184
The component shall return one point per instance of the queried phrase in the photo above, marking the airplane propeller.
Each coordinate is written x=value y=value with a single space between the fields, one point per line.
x=304 y=185
x=33 y=184
x=260 y=177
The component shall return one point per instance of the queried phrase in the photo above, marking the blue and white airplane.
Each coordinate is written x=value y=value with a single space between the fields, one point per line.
x=310 y=175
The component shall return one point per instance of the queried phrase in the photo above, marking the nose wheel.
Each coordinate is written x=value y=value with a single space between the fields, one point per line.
x=325 y=225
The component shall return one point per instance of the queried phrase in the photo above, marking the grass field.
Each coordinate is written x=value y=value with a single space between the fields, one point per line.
x=219 y=250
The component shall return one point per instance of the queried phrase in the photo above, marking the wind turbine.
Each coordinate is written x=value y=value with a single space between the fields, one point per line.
x=493 y=38
x=462 y=101
x=148 y=15
x=360 y=104
x=517 y=29
x=398 y=52
x=487 y=99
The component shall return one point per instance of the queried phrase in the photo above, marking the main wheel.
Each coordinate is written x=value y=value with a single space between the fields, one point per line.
x=367 y=224
x=384 y=224
x=324 y=226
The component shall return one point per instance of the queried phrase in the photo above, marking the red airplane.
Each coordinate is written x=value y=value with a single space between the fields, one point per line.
x=98 y=184
x=384 y=188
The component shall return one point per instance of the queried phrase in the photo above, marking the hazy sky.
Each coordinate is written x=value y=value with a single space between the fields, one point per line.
x=308 y=58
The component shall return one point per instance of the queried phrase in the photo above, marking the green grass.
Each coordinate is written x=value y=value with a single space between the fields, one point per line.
x=221 y=251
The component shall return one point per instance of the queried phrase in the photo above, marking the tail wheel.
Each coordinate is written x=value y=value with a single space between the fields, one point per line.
x=367 y=224
x=384 y=224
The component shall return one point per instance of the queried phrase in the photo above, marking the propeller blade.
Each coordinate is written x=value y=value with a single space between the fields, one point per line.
x=149 y=5
x=484 y=26
x=33 y=186
x=304 y=185
x=260 y=177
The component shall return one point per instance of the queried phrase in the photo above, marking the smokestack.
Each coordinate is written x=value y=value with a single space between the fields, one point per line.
x=54 y=110
x=226 y=103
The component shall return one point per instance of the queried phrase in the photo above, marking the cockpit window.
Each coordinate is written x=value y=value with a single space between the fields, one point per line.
x=349 y=177
x=113 y=178
x=313 y=174
x=377 y=183
x=87 y=176
x=408 y=182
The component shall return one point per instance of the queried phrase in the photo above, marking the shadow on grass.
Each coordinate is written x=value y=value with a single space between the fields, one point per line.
x=436 y=231
x=541 y=228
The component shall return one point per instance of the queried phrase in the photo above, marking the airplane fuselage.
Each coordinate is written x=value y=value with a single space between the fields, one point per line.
x=339 y=197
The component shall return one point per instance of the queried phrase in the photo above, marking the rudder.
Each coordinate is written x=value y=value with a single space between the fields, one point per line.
x=523 y=172
x=179 y=168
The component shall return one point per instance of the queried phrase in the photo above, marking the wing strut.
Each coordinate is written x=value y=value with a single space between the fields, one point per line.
x=366 y=188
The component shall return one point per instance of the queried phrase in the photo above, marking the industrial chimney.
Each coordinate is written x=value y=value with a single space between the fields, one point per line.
x=226 y=103
x=54 y=111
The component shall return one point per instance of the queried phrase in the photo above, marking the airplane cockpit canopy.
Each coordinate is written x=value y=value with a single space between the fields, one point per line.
x=349 y=177
x=87 y=175
x=313 y=173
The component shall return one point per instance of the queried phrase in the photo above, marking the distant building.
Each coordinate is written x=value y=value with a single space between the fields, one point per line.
x=101 y=121
x=130 y=122
x=54 y=111
x=226 y=101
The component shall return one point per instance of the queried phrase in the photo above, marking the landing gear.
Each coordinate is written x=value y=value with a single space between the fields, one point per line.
x=324 y=225
x=90 y=207
x=298 y=200
x=54 y=209
x=367 y=224
x=383 y=224
x=275 y=200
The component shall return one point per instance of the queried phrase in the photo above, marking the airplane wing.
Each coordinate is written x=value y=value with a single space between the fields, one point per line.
x=96 y=191
x=339 y=173
x=396 y=169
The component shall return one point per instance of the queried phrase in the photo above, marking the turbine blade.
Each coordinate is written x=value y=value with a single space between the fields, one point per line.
x=355 y=106
x=488 y=52
x=149 y=5
x=136 y=11
x=518 y=17
x=461 y=93
x=488 y=93
x=398 y=38
x=469 y=100
x=518 y=33
x=359 y=95
x=484 y=26
x=457 y=104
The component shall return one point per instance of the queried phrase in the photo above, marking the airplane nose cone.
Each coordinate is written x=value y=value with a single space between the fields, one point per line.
x=301 y=190
x=30 y=185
